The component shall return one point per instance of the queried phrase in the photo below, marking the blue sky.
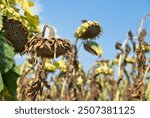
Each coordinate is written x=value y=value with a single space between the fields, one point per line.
x=116 y=17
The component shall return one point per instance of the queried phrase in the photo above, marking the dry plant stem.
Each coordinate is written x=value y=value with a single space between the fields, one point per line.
x=72 y=92
x=145 y=75
x=120 y=70
x=63 y=88
x=21 y=80
x=142 y=22
x=120 y=60
x=82 y=91
x=127 y=75
x=51 y=31
x=141 y=60
x=40 y=73
x=142 y=72
x=41 y=66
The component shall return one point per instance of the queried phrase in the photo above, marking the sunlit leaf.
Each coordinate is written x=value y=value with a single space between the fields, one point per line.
x=93 y=48
x=24 y=5
x=3 y=2
x=6 y=55
x=12 y=2
x=1 y=22
x=32 y=19
x=147 y=94
x=1 y=83
x=31 y=4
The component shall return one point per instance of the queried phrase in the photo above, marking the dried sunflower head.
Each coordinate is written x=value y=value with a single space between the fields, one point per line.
x=88 y=30
x=16 y=33
x=48 y=48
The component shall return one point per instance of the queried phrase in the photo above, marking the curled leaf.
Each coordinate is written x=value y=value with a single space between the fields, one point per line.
x=93 y=48
x=130 y=34
x=118 y=45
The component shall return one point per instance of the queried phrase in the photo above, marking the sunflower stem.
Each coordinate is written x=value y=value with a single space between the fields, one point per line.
x=120 y=57
x=76 y=42
x=142 y=22
x=79 y=46
x=145 y=75
x=63 y=88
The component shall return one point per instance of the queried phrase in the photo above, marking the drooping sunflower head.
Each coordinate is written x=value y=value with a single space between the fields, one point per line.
x=48 y=48
x=88 y=30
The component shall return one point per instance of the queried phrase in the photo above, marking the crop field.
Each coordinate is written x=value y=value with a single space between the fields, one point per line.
x=52 y=70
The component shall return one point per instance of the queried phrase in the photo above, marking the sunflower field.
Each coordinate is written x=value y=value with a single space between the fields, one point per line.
x=52 y=70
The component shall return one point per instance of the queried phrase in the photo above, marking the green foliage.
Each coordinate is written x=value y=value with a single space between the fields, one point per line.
x=93 y=48
x=67 y=78
x=31 y=4
x=28 y=19
x=3 y=2
x=8 y=74
x=147 y=94
x=32 y=19
x=1 y=83
x=25 y=5
x=10 y=81
x=6 y=54
x=1 y=22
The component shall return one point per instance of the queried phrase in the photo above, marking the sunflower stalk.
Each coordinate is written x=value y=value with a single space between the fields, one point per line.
x=120 y=70
x=142 y=22
x=145 y=75
x=120 y=57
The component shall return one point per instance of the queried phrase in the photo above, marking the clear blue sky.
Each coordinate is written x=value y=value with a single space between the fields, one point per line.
x=116 y=17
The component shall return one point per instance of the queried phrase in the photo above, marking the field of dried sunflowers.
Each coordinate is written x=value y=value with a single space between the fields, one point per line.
x=43 y=76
